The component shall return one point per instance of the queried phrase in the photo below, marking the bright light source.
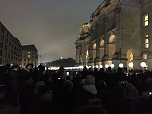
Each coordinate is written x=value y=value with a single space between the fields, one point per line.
x=54 y=68
x=96 y=66
x=93 y=66
x=120 y=65
x=101 y=66
x=131 y=64
x=106 y=66
x=143 y=64
x=81 y=67
x=45 y=68
x=112 y=65
x=49 y=68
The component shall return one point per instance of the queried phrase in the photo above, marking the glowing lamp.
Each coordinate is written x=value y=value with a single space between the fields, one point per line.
x=131 y=64
x=96 y=66
x=120 y=65
x=112 y=65
x=101 y=66
x=106 y=66
x=143 y=64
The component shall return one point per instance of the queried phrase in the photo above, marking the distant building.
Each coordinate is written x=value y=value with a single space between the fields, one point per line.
x=119 y=31
x=29 y=55
x=10 y=47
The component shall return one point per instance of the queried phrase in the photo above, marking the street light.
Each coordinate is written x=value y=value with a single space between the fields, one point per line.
x=97 y=66
x=61 y=58
x=143 y=64
x=106 y=66
x=112 y=65
x=101 y=66
x=131 y=65
x=120 y=65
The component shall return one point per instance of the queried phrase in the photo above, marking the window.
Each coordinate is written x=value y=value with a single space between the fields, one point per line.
x=146 y=43
x=145 y=56
x=1 y=52
x=146 y=20
x=1 y=45
x=5 y=47
x=9 y=55
x=10 y=43
x=29 y=56
x=6 y=40
x=87 y=54
x=11 y=51
x=2 y=37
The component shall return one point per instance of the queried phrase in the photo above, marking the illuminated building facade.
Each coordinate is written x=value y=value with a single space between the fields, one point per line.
x=10 y=47
x=29 y=55
x=119 y=32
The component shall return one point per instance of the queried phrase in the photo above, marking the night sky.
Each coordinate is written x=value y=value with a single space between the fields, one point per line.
x=52 y=25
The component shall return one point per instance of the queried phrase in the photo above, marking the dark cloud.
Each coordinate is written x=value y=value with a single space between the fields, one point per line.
x=52 y=25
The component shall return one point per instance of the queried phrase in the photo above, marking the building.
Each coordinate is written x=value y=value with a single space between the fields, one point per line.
x=29 y=55
x=119 y=33
x=10 y=47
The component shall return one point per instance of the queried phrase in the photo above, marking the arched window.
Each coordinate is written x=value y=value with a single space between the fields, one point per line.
x=94 y=50
x=112 y=45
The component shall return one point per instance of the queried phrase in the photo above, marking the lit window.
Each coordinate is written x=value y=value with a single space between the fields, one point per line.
x=29 y=56
x=145 y=56
x=146 y=20
x=94 y=46
x=146 y=43
x=87 y=54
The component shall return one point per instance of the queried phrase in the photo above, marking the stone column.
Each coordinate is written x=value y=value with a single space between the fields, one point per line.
x=98 y=47
x=90 y=51
x=77 y=54
x=106 y=48
x=83 y=53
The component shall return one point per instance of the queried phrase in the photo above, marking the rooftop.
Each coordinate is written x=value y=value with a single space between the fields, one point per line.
x=29 y=48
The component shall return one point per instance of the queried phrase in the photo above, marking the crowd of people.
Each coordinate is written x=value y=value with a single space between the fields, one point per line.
x=91 y=91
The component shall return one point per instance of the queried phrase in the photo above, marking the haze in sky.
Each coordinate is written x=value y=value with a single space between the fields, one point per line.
x=52 y=25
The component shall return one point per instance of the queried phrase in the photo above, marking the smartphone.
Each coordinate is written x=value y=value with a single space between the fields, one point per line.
x=59 y=78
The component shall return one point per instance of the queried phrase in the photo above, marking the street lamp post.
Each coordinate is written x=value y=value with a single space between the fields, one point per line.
x=143 y=65
x=121 y=65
